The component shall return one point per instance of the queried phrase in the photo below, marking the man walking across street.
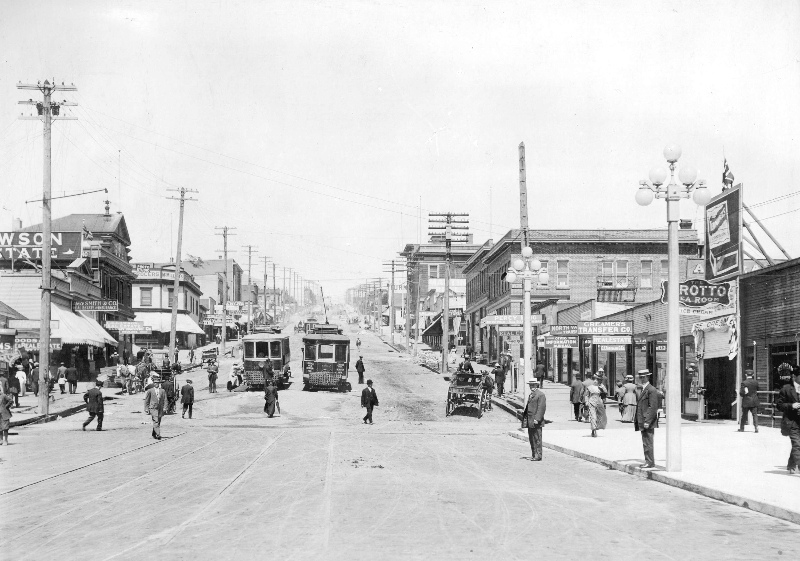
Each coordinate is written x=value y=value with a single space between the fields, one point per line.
x=576 y=395
x=213 y=369
x=499 y=378
x=360 y=369
x=749 y=394
x=369 y=399
x=94 y=405
x=154 y=401
x=646 y=419
x=533 y=418
x=187 y=398
x=71 y=375
x=788 y=402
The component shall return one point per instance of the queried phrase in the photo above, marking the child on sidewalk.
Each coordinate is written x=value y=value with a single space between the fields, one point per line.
x=62 y=382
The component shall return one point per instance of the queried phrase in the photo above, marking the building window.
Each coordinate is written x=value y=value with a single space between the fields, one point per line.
x=171 y=295
x=146 y=296
x=664 y=270
x=545 y=269
x=433 y=272
x=563 y=274
x=608 y=273
x=647 y=274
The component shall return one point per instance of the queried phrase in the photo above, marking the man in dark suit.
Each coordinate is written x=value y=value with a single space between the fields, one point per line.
x=576 y=395
x=360 y=369
x=187 y=398
x=72 y=379
x=94 y=405
x=369 y=399
x=749 y=394
x=646 y=419
x=533 y=417
x=788 y=402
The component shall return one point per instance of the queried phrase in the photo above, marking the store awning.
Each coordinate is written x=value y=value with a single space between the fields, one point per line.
x=162 y=322
x=78 y=329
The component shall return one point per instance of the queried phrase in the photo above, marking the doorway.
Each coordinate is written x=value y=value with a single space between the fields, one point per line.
x=720 y=384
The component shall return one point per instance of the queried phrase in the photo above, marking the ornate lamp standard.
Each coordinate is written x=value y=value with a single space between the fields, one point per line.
x=529 y=269
x=673 y=193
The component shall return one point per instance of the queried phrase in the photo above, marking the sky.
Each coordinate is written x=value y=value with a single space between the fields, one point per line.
x=323 y=131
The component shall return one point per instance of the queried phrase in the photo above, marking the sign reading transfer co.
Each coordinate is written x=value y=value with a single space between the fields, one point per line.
x=28 y=245
x=605 y=328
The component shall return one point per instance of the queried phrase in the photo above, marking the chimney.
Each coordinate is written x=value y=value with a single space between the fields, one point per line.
x=16 y=224
x=686 y=224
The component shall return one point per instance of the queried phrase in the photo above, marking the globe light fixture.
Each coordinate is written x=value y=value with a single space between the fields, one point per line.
x=686 y=186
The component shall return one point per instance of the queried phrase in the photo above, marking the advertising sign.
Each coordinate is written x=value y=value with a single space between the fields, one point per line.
x=6 y=343
x=564 y=329
x=698 y=297
x=611 y=340
x=724 y=235
x=102 y=305
x=123 y=325
x=32 y=343
x=605 y=328
x=561 y=342
x=501 y=320
x=612 y=348
x=28 y=245
x=510 y=329
x=30 y=324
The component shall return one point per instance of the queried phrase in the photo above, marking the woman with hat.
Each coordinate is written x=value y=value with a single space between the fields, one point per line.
x=629 y=400
x=595 y=405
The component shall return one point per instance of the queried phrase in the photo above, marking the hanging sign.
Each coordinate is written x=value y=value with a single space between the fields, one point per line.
x=32 y=343
x=724 y=235
x=698 y=297
x=605 y=328
x=561 y=342
x=564 y=329
x=102 y=305
x=612 y=348
x=28 y=245
x=611 y=340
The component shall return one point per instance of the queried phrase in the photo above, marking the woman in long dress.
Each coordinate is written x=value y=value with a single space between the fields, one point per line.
x=596 y=406
x=270 y=398
x=629 y=400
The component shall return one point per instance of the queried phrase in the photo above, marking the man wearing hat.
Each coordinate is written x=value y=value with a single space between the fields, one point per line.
x=369 y=399
x=154 y=401
x=749 y=394
x=788 y=402
x=360 y=369
x=499 y=378
x=94 y=405
x=576 y=390
x=646 y=419
x=533 y=418
x=187 y=398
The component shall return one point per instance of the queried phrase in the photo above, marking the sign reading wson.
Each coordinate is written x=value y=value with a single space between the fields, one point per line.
x=28 y=245
x=605 y=328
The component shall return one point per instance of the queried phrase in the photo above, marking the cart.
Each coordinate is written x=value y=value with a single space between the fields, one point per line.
x=209 y=355
x=465 y=389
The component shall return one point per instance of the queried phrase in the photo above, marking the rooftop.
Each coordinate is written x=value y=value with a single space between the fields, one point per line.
x=95 y=223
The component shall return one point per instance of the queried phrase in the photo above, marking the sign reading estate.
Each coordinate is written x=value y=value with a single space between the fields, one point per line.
x=28 y=245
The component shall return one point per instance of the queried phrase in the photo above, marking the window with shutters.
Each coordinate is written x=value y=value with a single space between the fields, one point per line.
x=563 y=274
x=647 y=274
x=146 y=296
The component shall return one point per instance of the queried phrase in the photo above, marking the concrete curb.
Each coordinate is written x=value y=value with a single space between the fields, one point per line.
x=49 y=417
x=663 y=477
x=505 y=406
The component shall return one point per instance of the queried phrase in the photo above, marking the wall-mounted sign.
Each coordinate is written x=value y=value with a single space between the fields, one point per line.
x=509 y=329
x=564 y=329
x=605 y=328
x=561 y=342
x=536 y=319
x=28 y=245
x=32 y=343
x=612 y=340
x=102 y=305
x=158 y=274
x=30 y=324
x=124 y=325
x=698 y=297
x=612 y=348
x=724 y=235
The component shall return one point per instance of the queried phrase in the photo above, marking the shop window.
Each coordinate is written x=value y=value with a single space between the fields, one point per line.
x=146 y=296
x=563 y=274
x=646 y=279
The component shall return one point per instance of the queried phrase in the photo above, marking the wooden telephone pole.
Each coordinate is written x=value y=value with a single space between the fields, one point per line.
x=48 y=111
x=225 y=233
x=393 y=268
x=173 y=324
x=250 y=250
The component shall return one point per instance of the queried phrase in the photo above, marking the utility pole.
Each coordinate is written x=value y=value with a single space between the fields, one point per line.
x=274 y=297
x=523 y=195
x=266 y=259
x=451 y=221
x=173 y=324
x=48 y=111
x=393 y=268
x=250 y=322
x=225 y=233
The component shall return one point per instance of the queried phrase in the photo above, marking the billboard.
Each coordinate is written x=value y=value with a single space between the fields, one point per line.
x=724 y=235
x=28 y=245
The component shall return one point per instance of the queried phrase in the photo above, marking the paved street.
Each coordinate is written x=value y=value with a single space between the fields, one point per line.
x=316 y=482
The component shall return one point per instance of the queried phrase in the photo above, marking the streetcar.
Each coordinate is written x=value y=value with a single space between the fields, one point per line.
x=260 y=347
x=310 y=325
x=326 y=361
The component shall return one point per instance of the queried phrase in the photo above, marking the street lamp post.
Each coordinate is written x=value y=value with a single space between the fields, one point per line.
x=673 y=193
x=529 y=269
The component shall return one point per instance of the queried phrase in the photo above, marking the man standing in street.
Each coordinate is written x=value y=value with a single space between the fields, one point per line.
x=749 y=394
x=213 y=369
x=646 y=419
x=360 y=369
x=71 y=374
x=499 y=378
x=540 y=372
x=369 y=399
x=576 y=395
x=268 y=370
x=533 y=418
x=187 y=398
x=788 y=402
x=22 y=380
x=94 y=405
x=154 y=401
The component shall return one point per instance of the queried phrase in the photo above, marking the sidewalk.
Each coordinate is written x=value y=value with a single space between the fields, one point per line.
x=744 y=469
x=66 y=404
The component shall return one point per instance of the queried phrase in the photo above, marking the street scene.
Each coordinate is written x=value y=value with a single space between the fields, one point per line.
x=357 y=280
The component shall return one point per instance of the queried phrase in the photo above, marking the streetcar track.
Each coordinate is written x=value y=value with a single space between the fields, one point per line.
x=173 y=532
x=88 y=465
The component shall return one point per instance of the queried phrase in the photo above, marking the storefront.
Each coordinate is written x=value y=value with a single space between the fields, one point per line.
x=716 y=348
x=160 y=323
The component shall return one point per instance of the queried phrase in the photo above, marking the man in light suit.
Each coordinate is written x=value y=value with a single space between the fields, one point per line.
x=646 y=419
x=369 y=399
x=534 y=415
x=154 y=401
x=749 y=394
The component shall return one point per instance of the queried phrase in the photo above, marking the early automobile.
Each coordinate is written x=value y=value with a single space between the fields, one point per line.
x=465 y=389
